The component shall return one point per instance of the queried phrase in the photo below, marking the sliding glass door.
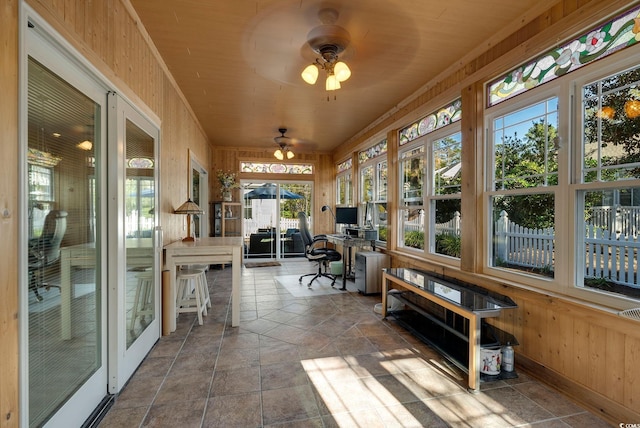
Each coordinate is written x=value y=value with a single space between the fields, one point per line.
x=90 y=241
x=271 y=218
x=135 y=241
x=64 y=279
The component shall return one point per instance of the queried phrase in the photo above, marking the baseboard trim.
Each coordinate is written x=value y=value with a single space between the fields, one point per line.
x=607 y=409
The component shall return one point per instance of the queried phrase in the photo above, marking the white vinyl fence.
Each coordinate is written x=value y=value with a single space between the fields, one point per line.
x=612 y=255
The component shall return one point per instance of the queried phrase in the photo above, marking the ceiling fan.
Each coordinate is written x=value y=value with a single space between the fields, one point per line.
x=284 y=143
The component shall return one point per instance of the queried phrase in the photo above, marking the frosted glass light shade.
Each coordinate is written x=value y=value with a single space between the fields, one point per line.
x=310 y=74
x=332 y=83
x=341 y=71
x=278 y=154
x=290 y=154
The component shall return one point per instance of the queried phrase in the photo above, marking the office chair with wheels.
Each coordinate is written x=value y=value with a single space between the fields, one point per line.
x=316 y=251
x=45 y=250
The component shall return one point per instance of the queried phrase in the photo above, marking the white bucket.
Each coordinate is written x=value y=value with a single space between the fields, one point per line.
x=490 y=361
x=393 y=304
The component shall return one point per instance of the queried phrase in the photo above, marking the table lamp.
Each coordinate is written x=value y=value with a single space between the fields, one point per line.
x=188 y=208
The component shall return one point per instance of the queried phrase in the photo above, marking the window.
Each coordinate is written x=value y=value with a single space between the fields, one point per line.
x=609 y=193
x=373 y=187
x=523 y=175
x=411 y=215
x=563 y=166
x=444 y=197
x=344 y=191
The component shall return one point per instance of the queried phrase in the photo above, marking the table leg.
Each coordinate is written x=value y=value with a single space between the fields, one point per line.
x=172 y=294
x=346 y=267
x=385 y=290
x=474 y=353
x=235 y=287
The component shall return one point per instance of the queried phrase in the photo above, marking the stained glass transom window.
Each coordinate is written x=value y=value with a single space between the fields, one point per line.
x=436 y=120
x=373 y=151
x=616 y=34
x=276 y=168
x=344 y=166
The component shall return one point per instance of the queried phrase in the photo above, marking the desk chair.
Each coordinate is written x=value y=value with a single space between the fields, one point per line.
x=45 y=250
x=317 y=251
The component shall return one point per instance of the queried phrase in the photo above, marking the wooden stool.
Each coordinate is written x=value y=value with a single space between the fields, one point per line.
x=190 y=295
x=143 y=302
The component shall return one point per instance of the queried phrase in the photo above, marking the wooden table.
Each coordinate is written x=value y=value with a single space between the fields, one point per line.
x=209 y=250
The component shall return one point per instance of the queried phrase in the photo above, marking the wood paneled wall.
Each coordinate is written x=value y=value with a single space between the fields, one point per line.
x=9 y=356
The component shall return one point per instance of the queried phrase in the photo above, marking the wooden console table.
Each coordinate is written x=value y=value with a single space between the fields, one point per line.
x=419 y=290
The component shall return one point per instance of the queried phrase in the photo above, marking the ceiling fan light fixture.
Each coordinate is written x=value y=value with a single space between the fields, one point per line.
x=328 y=41
x=284 y=150
x=310 y=74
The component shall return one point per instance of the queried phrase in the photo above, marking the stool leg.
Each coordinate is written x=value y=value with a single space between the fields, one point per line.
x=199 y=302
x=205 y=288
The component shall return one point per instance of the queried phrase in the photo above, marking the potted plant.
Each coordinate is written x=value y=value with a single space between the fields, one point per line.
x=227 y=182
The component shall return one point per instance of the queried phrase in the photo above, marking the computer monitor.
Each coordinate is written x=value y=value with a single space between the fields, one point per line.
x=346 y=215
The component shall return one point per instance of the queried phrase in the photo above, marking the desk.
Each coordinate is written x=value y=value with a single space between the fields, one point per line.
x=209 y=250
x=470 y=302
x=139 y=254
x=348 y=242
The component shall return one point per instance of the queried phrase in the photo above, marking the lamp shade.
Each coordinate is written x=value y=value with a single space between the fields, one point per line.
x=278 y=154
x=310 y=74
x=188 y=207
x=342 y=72
x=332 y=83
x=290 y=154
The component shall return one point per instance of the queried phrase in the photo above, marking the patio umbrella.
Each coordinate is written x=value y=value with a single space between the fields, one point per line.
x=269 y=191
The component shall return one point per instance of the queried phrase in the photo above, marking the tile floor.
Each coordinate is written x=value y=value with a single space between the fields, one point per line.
x=324 y=361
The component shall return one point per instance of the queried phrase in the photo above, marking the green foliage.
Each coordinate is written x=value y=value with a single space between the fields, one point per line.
x=414 y=239
x=448 y=244
x=382 y=233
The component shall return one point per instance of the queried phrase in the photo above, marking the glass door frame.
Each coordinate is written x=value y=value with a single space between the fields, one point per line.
x=40 y=41
x=123 y=359
x=276 y=216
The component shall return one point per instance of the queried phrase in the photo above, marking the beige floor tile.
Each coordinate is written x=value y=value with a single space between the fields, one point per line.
x=324 y=361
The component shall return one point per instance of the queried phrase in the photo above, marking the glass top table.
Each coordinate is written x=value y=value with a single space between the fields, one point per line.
x=468 y=296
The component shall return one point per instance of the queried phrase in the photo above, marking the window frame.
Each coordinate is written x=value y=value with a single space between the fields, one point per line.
x=426 y=143
x=375 y=164
x=569 y=266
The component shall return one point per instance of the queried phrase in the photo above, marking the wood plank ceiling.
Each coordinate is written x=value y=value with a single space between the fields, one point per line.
x=238 y=62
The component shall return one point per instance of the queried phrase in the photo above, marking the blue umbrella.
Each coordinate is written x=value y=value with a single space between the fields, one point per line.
x=269 y=191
